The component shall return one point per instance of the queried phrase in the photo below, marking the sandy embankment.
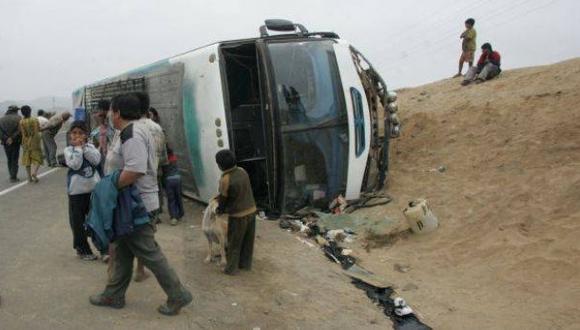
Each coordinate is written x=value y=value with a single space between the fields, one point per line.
x=507 y=254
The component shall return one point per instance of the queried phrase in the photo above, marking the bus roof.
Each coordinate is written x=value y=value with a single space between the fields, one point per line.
x=324 y=35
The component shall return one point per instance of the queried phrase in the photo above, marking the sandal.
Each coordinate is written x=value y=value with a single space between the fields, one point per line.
x=88 y=257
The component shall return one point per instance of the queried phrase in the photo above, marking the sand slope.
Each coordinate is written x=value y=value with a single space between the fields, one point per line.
x=507 y=254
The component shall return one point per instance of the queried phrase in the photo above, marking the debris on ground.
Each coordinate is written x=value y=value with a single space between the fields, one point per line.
x=340 y=205
x=335 y=253
x=440 y=169
x=339 y=235
x=401 y=268
x=332 y=230
x=420 y=217
x=399 y=312
x=321 y=240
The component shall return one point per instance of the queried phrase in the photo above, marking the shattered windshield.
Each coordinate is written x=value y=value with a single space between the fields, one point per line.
x=312 y=121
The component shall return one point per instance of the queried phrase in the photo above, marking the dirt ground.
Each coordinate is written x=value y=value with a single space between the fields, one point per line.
x=44 y=286
x=507 y=254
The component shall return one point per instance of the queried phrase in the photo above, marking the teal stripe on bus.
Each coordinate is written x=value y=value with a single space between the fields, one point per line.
x=192 y=131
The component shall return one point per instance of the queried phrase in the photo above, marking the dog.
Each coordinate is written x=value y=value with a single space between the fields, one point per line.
x=215 y=228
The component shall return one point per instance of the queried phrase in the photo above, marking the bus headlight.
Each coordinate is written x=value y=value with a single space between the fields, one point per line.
x=395 y=131
x=391 y=97
x=394 y=119
x=393 y=107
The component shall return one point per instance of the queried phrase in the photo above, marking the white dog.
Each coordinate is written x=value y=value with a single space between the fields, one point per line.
x=215 y=228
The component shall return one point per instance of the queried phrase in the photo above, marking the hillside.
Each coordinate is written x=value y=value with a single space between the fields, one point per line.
x=507 y=253
x=60 y=104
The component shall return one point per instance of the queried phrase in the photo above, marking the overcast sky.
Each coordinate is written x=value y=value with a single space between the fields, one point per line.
x=48 y=48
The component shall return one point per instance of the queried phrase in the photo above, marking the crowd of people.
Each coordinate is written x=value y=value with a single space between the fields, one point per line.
x=120 y=209
x=32 y=135
x=116 y=174
x=489 y=63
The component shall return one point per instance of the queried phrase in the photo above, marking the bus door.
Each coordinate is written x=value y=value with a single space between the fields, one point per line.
x=247 y=121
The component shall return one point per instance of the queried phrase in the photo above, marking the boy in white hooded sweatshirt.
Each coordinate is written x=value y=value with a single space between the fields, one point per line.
x=82 y=159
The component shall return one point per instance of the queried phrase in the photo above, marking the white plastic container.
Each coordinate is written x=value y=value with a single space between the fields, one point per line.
x=420 y=218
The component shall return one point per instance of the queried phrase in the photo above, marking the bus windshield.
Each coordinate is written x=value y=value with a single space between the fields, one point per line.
x=312 y=121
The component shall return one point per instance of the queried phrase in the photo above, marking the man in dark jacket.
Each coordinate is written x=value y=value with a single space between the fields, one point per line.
x=11 y=139
x=237 y=200
x=488 y=66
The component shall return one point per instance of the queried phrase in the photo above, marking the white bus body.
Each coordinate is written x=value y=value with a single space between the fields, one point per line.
x=306 y=115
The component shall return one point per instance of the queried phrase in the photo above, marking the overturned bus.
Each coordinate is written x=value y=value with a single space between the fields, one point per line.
x=305 y=113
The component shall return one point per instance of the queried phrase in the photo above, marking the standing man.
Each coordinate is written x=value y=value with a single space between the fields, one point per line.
x=160 y=158
x=237 y=200
x=468 y=45
x=42 y=120
x=134 y=155
x=102 y=136
x=159 y=138
x=49 y=133
x=11 y=139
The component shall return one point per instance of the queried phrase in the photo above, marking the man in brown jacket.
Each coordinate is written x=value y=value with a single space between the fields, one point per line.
x=237 y=200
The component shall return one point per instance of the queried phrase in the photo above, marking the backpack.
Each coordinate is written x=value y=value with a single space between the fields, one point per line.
x=87 y=170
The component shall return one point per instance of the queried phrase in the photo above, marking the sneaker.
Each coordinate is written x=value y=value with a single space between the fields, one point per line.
x=174 y=222
x=172 y=307
x=457 y=75
x=100 y=300
x=88 y=257
x=14 y=180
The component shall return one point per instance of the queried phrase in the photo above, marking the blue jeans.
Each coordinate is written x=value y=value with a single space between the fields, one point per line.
x=174 y=200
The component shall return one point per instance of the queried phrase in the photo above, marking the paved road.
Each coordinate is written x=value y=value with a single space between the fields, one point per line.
x=4 y=176
x=43 y=284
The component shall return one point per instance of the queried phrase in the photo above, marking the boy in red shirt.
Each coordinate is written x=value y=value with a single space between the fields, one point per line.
x=488 y=66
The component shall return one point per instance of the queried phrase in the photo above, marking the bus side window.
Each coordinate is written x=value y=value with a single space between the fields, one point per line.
x=359 y=121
